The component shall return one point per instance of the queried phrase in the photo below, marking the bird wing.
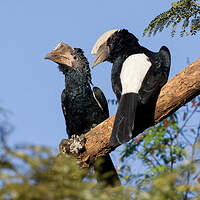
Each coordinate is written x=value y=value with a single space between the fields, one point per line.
x=101 y=100
x=156 y=76
x=65 y=112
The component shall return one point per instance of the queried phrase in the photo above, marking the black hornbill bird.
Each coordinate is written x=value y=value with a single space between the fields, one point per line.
x=137 y=77
x=83 y=108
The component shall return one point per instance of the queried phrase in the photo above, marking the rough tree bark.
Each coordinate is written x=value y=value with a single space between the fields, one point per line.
x=176 y=92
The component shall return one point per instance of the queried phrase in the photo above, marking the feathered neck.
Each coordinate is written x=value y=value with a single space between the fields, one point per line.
x=123 y=44
x=76 y=78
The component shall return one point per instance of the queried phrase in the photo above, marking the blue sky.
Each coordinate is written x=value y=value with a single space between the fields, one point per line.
x=31 y=86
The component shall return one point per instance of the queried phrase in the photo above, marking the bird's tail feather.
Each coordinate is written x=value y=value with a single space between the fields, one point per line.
x=105 y=171
x=124 y=120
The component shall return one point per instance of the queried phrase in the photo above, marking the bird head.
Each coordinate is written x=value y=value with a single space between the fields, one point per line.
x=61 y=55
x=112 y=44
x=67 y=57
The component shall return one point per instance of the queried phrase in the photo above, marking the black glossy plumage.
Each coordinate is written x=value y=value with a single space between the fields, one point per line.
x=83 y=108
x=123 y=44
x=80 y=108
x=120 y=46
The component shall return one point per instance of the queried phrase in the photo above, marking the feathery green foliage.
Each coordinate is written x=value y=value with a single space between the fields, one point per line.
x=185 y=11
x=30 y=172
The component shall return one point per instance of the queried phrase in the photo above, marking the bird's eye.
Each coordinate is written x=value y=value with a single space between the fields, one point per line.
x=75 y=57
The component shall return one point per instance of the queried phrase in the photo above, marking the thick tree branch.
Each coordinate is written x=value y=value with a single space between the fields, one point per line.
x=178 y=91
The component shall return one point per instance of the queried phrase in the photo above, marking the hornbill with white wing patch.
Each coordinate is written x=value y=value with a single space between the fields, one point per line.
x=83 y=108
x=137 y=77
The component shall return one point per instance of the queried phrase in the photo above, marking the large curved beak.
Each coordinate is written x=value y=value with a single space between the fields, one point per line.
x=61 y=54
x=101 y=55
x=101 y=49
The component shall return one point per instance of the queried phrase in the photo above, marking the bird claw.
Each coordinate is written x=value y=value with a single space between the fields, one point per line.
x=93 y=126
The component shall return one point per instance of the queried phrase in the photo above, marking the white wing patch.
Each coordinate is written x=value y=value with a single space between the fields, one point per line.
x=134 y=69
